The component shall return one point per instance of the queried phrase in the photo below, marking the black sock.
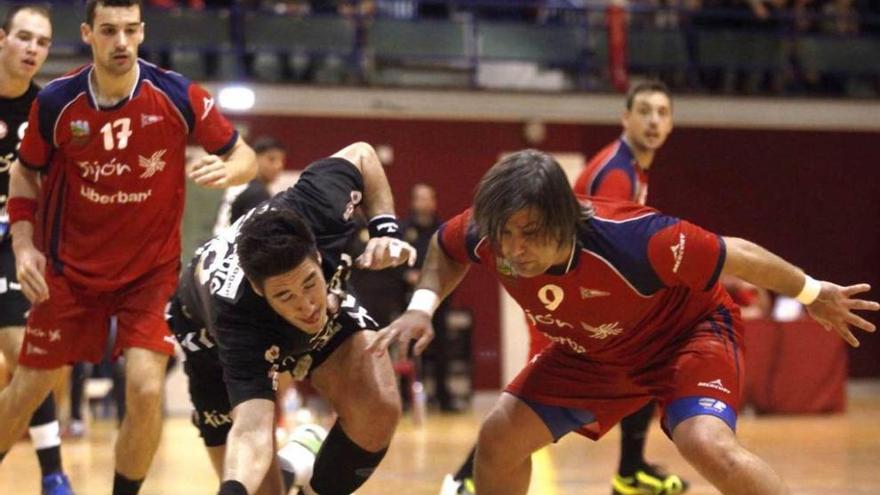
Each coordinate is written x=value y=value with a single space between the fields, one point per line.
x=44 y=433
x=342 y=465
x=467 y=469
x=633 y=433
x=125 y=486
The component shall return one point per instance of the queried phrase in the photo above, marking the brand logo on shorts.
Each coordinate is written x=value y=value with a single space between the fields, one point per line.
x=716 y=384
x=32 y=349
x=713 y=404
x=215 y=419
x=54 y=335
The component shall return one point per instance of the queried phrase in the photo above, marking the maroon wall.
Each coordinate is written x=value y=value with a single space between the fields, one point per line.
x=813 y=197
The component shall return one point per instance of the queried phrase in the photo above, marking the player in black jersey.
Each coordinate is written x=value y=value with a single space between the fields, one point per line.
x=24 y=45
x=268 y=296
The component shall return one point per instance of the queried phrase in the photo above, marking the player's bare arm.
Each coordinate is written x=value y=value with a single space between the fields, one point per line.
x=30 y=263
x=829 y=304
x=250 y=447
x=238 y=166
x=440 y=275
x=380 y=252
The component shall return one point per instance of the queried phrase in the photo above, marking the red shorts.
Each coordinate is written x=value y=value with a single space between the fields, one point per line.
x=73 y=324
x=707 y=364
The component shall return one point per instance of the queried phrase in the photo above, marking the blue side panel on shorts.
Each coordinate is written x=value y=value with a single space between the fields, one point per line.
x=560 y=420
x=688 y=407
x=624 y=244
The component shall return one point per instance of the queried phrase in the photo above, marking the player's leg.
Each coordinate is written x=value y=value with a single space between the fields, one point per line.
x=27 y=390
x=144 y=339
x=511 y=432
x=44 y=428
x=362 y=390
x=700 y=412
x=708 y=444
x=142 y=426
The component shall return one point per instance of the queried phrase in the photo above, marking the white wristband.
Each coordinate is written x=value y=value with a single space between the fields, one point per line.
x=424 y=300
x=810 y=292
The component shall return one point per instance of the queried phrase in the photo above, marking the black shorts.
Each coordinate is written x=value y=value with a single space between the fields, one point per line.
x=207 y=389
x=13 y=305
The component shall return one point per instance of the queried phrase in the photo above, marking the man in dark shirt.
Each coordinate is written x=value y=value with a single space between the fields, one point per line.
x=268 y=295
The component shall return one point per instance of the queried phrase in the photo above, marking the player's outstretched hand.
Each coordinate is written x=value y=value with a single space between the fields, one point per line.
x=30 y=265
x=385 y=252
x=411 y=325
x=834 y=307
x=210 y=171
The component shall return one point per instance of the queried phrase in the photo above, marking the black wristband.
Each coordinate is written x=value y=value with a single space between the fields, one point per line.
x=232 y=487
x=384 y=226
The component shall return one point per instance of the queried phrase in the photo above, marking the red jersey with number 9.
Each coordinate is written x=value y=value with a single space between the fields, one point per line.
x=112 y=199
x=637 y=282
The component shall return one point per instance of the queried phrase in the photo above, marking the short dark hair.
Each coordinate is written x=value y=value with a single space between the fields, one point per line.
x=91 y=5
x=11 y=13
x=647 y=86
x=268 y=143
x=272 y=242
x=527 y=179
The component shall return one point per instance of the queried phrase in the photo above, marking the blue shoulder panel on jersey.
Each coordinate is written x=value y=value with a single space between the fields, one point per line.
x=172 y=84
x=57 y=95
x=624 y=244
x=622 y=160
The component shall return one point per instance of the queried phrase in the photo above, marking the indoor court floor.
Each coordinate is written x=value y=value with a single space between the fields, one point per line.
x=817 y=455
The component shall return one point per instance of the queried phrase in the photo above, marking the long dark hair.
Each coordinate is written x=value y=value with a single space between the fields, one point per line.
x=527 y=179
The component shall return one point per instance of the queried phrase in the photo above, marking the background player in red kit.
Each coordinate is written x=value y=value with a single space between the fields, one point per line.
x=620 y=171
x=98 y=236
x=631 y=300
x=24 y=45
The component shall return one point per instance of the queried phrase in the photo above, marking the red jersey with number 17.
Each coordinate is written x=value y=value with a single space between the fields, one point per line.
x=637 y=283
x=112 y=200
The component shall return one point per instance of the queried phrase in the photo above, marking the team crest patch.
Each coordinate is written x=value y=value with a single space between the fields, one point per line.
x=4 y=129
x=79 y=130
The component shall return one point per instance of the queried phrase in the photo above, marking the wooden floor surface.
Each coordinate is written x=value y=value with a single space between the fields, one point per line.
x=817 y=455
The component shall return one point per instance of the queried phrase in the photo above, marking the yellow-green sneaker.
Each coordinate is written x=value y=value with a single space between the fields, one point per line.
x=649 y=480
